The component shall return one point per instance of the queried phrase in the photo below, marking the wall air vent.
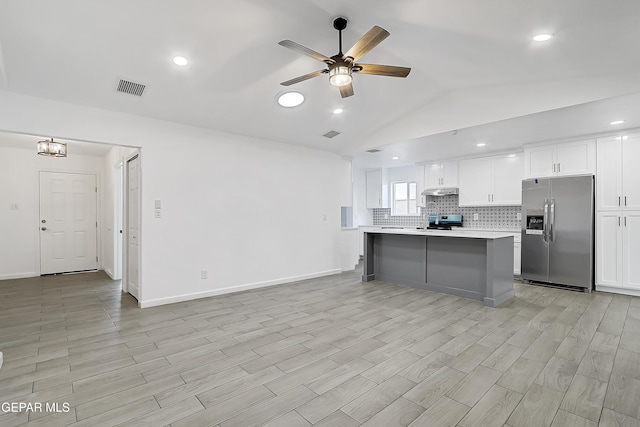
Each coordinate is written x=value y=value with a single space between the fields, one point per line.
x=131 y=88
x=374 y=150
x=331 y=134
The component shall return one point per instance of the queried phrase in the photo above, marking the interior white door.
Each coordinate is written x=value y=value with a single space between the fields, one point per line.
x=68 y=222
x=133 y=226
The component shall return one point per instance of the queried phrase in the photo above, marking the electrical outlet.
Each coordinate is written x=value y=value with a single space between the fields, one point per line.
x=519 y=216
x=386 y=216
x=13 y=207
x=204 y=274
x=158 y=213
x=324 y=217
x=475 y=217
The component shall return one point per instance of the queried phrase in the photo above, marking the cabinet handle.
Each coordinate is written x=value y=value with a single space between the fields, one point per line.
x=554 y=168
x=488 y=197
x=618 y=221
x=558 y=167
x=618 y=200
x=625 y=221
x=625 y=200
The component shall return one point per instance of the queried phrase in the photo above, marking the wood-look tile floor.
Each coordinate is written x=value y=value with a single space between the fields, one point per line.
x=329 y=352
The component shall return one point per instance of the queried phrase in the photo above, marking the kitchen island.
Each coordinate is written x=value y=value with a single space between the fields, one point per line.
x=471 y=264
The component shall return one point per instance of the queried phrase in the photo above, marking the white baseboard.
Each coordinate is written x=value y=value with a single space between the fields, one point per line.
x=623 y=291
x=18 y=275
x=232 y=289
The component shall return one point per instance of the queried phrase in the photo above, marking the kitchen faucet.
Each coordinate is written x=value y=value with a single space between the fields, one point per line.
x=426 y=214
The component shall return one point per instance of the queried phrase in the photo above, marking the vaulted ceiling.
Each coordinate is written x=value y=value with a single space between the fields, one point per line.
x=473 y=62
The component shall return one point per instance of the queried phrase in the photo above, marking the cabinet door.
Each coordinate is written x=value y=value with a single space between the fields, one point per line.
x=374 y=189
x=609 y=249
x=475 y=182
x=450 y=174
x=507 y=180
x=631 y=249
x=517 y=259
x=576 y=158
x=540 y=161
x=421 y=200
x=433 y=175
x=609 y=176
x=631 y=172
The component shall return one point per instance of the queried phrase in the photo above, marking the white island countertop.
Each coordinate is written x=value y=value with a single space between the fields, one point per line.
x=462 y=233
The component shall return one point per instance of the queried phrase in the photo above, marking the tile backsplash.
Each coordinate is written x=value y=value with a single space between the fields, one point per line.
x=489 y=217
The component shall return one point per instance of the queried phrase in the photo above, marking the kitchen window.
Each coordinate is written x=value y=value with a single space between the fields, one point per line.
x=404 y=198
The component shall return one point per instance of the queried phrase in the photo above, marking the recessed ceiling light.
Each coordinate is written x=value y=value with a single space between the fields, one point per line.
x=180 y=60
x=290 y=99
x=338 y=111
x=542 y=37
x=481 y=144
x=511 y=155
x=395 y=158
x=617 y=122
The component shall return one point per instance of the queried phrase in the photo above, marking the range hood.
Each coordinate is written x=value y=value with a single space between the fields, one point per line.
x=439 y=191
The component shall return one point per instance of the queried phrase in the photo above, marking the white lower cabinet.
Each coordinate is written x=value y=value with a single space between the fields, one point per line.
x=618 y=249
x=517 y=251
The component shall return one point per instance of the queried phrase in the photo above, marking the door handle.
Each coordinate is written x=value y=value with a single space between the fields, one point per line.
x=552 y=217
x=44 y=229
x=545 y=220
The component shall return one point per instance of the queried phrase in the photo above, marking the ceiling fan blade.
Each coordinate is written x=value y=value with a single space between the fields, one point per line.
x=346 y=91
x=367 y=42
x=303 y=78
x=382 y=70
x=306 y=51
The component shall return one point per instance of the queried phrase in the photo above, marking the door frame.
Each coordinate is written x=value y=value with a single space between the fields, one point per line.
x=118 y=212
x=38 y=252
x=125 y=225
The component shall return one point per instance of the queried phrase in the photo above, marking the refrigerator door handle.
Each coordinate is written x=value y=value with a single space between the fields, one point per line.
x=552 y=217
x=545 y=221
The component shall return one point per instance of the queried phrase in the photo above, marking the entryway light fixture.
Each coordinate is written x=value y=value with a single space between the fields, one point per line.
x=52 y=149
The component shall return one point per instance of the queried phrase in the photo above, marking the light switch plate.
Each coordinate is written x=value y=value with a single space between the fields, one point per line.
x=158 y=204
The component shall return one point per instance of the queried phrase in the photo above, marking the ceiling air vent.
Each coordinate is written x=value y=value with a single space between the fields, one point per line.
x=131 y=88
x=374 y=150
x=331 y=134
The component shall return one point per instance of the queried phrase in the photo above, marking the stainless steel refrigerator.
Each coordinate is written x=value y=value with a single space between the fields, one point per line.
x=558 y=230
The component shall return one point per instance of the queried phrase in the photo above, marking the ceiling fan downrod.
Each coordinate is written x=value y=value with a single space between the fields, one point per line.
x=340 y=24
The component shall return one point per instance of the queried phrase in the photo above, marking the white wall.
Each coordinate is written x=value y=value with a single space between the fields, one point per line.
x=19 y=167
x=250 y=211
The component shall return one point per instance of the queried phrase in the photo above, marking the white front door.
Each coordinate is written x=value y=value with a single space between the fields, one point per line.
x=68 y=222
x=133 y=226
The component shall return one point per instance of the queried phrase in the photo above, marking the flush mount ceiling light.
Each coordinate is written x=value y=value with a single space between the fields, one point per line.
x=616 y=122
x=52 y=149
x=337 y=111
x=542 y=37
x=290 y=99
x=180 y=60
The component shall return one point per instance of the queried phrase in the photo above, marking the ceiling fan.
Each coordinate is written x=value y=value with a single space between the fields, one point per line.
x=341 y=66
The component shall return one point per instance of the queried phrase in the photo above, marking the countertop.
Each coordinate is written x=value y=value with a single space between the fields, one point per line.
x=462 y=233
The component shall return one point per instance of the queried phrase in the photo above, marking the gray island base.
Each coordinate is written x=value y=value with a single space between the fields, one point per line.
x=477 y=265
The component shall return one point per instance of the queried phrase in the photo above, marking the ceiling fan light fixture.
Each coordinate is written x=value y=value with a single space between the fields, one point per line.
x=340 y=75
x=52 y=149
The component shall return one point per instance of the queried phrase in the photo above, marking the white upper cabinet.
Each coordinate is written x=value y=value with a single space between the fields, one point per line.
x=490 y=181
x=567 y=158
x=374 y=189
x=618 y=175
x=441 y=175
